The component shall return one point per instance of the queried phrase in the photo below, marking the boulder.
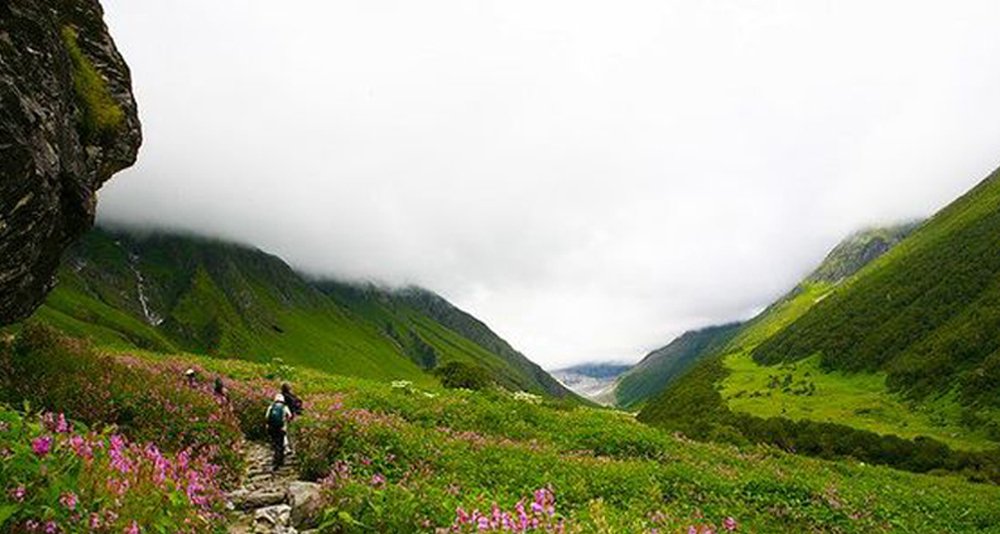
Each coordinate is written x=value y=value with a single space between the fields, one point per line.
x=306 y=502
x=68 y=122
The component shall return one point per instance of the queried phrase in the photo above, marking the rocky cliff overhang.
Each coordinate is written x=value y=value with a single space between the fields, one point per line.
x=68 y=122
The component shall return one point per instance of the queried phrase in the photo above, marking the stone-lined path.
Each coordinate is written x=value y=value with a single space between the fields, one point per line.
x=271 y=502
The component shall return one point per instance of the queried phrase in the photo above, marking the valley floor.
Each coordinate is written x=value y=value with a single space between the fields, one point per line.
x=802 y=390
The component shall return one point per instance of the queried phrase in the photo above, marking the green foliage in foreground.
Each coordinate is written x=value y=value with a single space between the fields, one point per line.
x=57 y=478
x=402 y=459
x=42 y=369
x=101 y=115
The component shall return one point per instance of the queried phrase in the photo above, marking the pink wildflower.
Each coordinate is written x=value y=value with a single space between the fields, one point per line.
x=18 y=493
x=62 y=426
x=68 y=500
x=41 y=446
x=729 y=524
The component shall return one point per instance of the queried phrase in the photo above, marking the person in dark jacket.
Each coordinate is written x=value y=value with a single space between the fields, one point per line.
x=294 y=403
x=220 y=390
x=277 y=416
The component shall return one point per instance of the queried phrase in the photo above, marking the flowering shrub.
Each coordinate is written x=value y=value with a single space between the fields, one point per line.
x=57 y=479
x=524 y=396
x=539 y=515
x=145 y=401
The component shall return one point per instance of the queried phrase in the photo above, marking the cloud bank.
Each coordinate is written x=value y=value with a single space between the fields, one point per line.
x=589 y=178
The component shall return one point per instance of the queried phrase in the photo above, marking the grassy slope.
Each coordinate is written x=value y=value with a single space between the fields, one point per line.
x=858 y=400
x=927 y=313
x=443 y=312
x=662 y=366
x=859 y=249
x=407 y=458
x=413 y=323
x=230 y=301
x=230 y=305
x=876 y=307
x=607 y=469
x=700 y=386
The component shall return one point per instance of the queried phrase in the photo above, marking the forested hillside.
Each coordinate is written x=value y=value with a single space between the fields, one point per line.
x=927 y=313
x=890 y=364
x=660 y=368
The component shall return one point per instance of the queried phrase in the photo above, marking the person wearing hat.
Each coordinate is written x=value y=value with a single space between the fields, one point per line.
x=192 y=380
x=278 y=415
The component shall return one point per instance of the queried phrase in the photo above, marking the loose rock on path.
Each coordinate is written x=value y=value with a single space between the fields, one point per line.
x=269 y=501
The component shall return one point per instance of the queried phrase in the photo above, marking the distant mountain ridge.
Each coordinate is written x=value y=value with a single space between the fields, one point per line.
x=167 y=292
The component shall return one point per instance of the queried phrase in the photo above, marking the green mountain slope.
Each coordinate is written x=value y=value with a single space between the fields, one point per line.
x=429 y=329
x=813 y=409
x=661 y=367
x=170 y=293
x=927 y=313
x=664 y=365
x=692 y=403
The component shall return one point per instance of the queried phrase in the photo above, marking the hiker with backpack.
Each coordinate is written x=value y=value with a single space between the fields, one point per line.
x=278 y=415
x=294 y=403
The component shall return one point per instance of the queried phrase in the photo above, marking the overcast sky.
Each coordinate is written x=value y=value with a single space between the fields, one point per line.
x=589 y=178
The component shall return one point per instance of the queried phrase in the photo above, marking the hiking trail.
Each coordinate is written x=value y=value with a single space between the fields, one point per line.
x=268 y=501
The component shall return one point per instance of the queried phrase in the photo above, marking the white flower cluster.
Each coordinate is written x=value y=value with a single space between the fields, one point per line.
x=530 y=398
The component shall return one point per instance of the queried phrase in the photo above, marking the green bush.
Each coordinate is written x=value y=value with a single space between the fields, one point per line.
x=463 y=375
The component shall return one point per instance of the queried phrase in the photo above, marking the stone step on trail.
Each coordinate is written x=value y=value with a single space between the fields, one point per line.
x=271 y=501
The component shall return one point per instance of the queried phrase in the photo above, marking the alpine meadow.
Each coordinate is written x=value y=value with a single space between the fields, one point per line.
x=450 y=267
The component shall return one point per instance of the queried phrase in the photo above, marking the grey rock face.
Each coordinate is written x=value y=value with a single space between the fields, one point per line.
x=306 y=502
x=68 y=122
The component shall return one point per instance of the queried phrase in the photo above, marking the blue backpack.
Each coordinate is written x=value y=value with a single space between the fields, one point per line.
x=276 y=416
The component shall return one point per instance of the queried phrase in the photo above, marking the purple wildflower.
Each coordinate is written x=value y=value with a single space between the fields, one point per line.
x=41 y=446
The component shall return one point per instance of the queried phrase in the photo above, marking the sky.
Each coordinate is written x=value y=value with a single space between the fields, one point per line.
x=590 y=178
